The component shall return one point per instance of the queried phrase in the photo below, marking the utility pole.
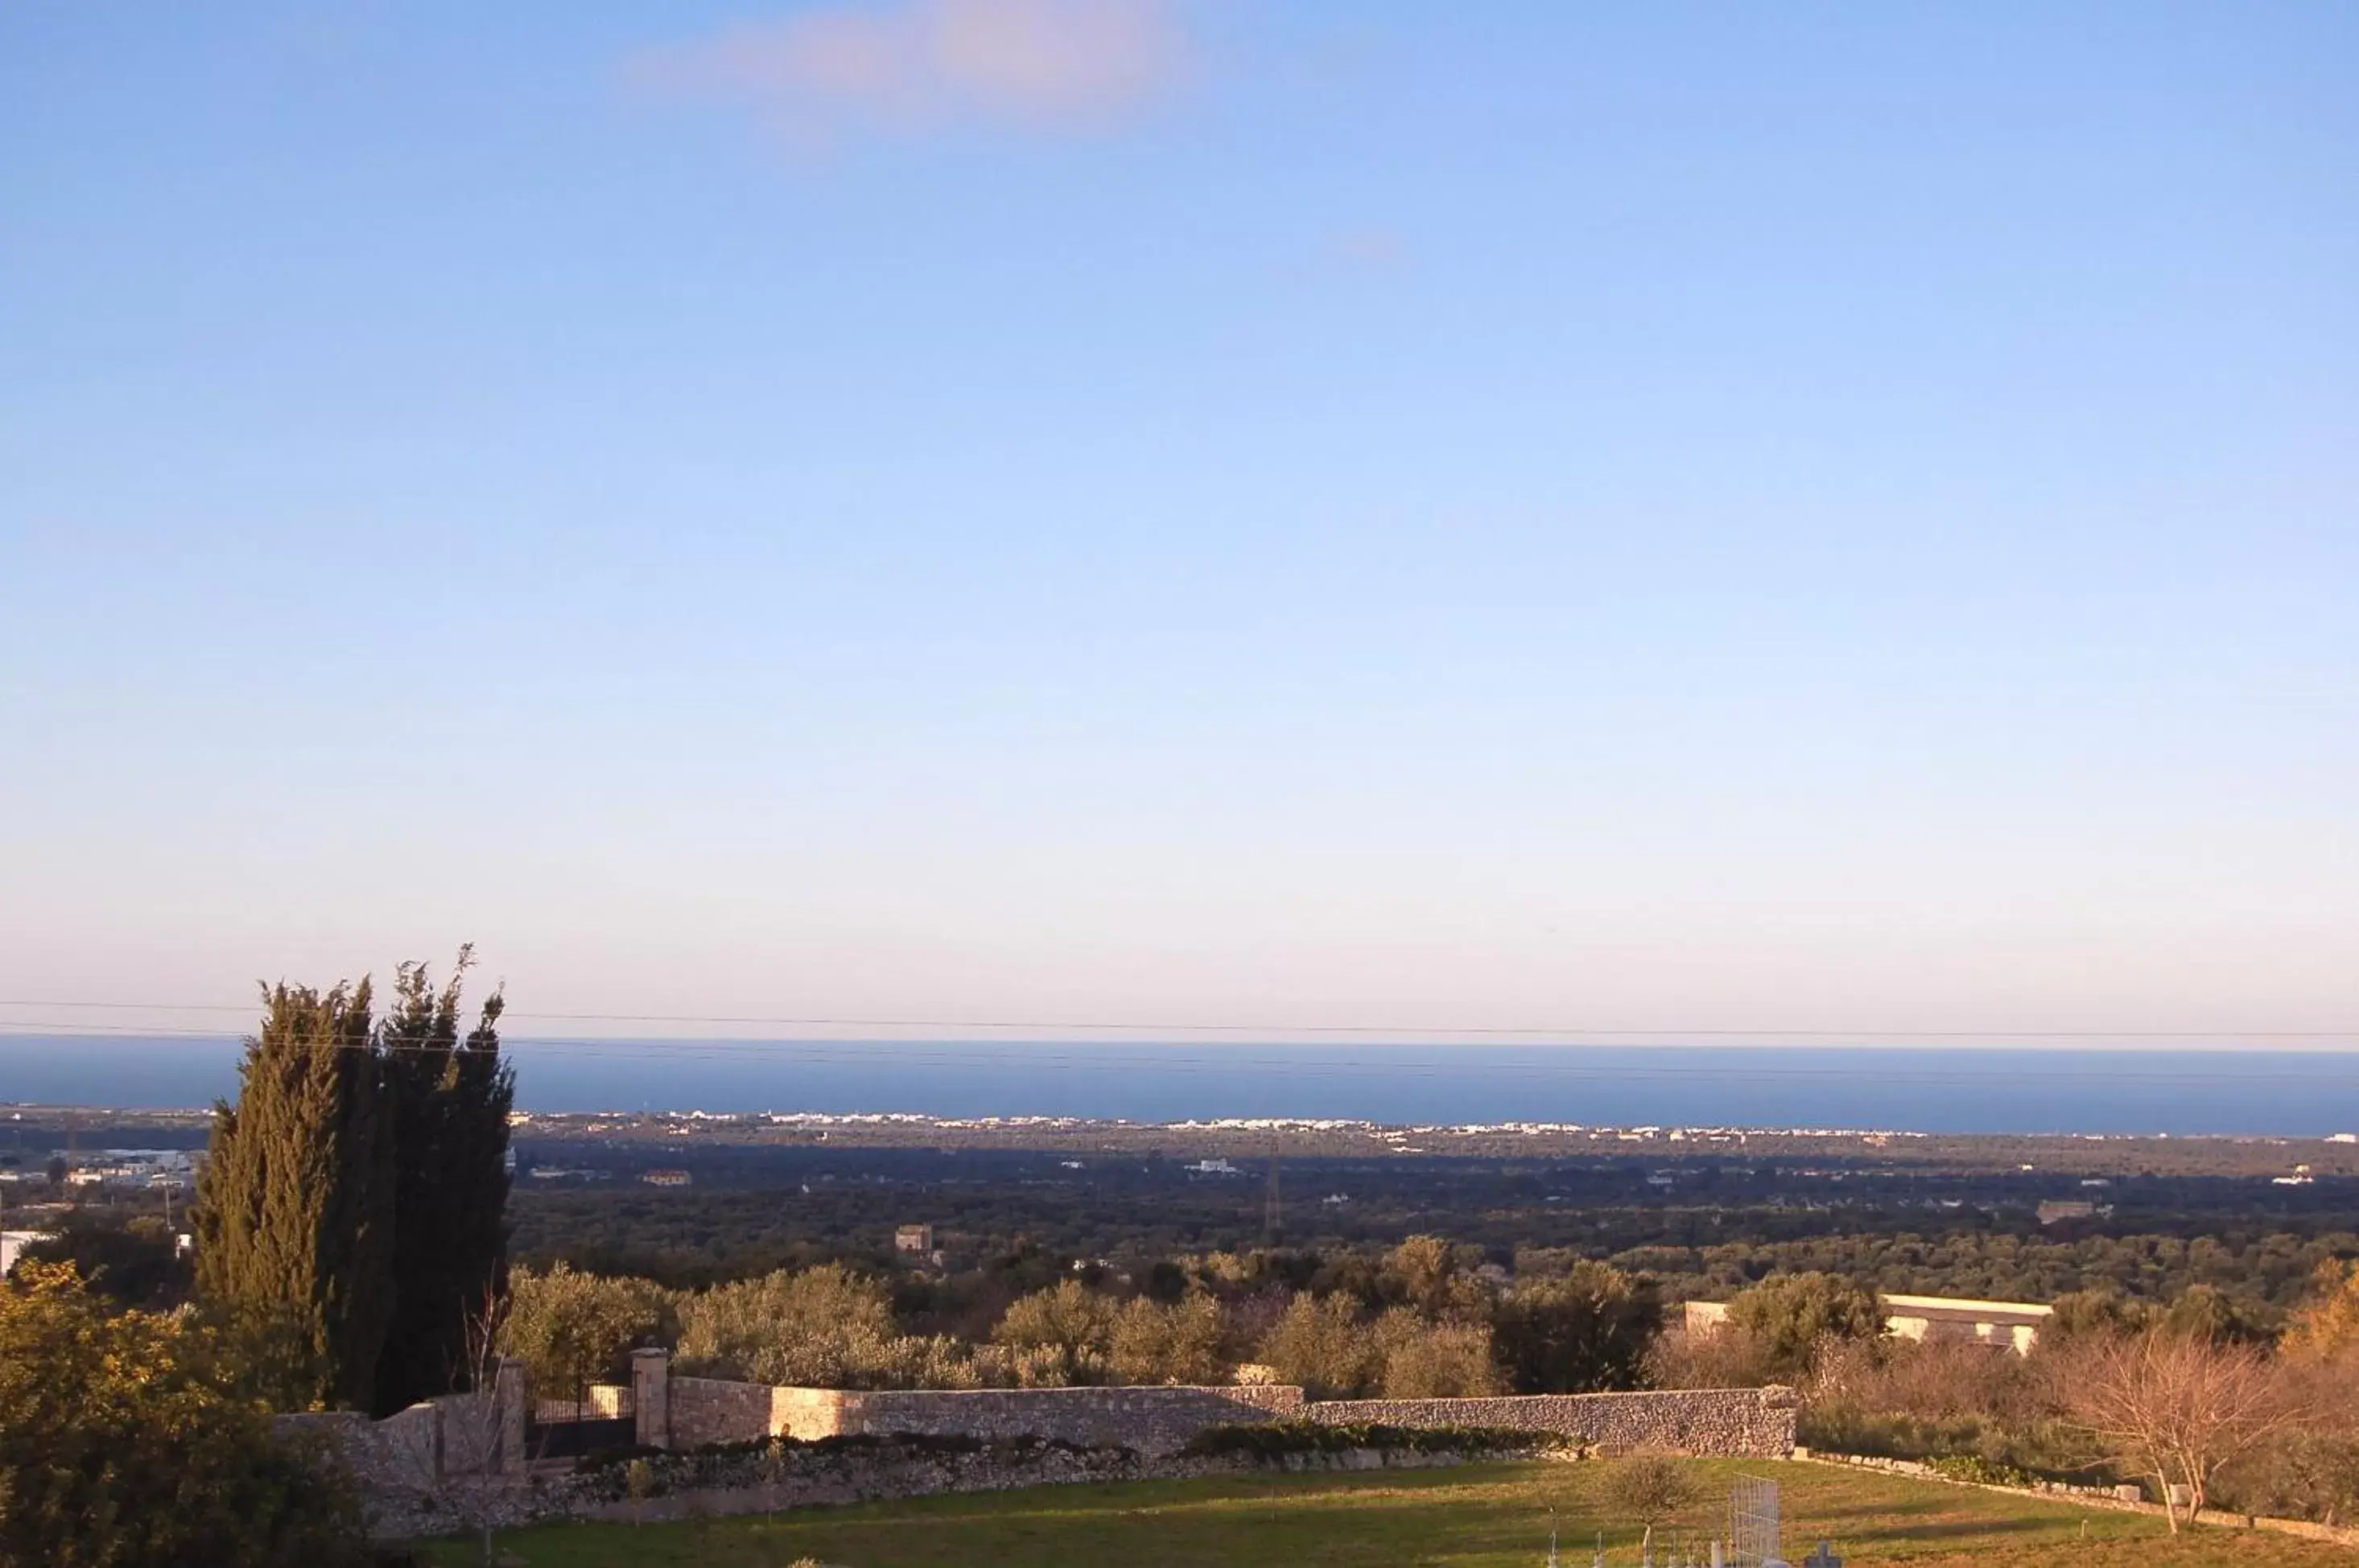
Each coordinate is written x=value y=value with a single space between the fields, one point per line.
x=1273 y=1218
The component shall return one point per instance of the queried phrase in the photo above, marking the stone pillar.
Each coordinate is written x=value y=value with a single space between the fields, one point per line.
x=509 y=1392
x=651 y=1396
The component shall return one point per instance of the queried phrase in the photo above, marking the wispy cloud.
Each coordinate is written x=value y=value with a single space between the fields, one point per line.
x=917 y=66
x=1372 y=248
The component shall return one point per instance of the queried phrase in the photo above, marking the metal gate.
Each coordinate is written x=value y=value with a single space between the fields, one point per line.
x=572 y=1438
x=1753 y=1525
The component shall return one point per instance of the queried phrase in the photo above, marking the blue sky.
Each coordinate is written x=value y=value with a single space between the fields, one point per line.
x=1716 y=517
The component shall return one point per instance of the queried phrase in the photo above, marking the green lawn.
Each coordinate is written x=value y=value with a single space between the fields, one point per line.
x=1486 y=1515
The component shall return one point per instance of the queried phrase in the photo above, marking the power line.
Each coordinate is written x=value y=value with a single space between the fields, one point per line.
x=1401 y=1031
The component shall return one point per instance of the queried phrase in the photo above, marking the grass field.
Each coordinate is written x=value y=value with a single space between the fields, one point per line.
x=1487 y=1515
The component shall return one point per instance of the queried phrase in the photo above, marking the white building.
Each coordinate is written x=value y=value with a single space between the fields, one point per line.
x=12 y=1247
x=2014 y=1325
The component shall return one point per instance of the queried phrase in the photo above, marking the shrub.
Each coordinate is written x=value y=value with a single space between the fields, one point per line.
x=1725 y=1357
x=1942 y=1399
x=1319 y=1343
x=573 y=1329
x=1585 y=1332
x=1789 y=1316
x=1650 y=1488
x=2328 y=1324
x=1429 y=1274
x=1177 y=1344
x=133 y=1262
x=122 y=1440
x=1975 y=1467
x=784 y=1327
x=824 y=1327
x=1071 y=1317
x=1433 y=1361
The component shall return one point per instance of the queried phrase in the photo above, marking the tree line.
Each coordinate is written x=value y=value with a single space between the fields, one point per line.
x=709 y=1234
x=1426 y=1321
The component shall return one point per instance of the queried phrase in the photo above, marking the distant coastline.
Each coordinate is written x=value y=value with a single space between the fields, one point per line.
x=2300 y=1093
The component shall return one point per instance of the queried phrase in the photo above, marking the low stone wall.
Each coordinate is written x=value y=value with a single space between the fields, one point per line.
x=399 y=1451
x=808 y=1413
x=1150 y=1419
x=1735 y=1424
x=708 y=1409
x=699 y=1412
x=459 y=1442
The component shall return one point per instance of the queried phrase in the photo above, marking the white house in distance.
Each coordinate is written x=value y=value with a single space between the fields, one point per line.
x=12 y=1247
x=2014 y=1325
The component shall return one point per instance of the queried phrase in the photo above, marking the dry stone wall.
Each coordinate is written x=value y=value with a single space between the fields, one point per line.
x=694 y=1412
x=704 y=1410
x=1150 y=1419
x=1742 y=1423
x=707 y=1409
x=401 y=1450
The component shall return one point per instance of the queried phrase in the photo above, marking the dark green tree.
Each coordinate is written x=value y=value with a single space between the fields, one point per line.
x=132 y=1262
x=1585 y=1332
x=450 y=1098
x=1787 y=1316
x=295 y=1217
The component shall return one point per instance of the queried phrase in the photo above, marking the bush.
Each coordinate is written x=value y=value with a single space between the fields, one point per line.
x=1725 y=1357
x=133 y=1263
x=1586 y=1332
x=124 y=1442
x=1036 y=1366
x=1430 y=1275
x=1319 y=1343
x=1176 y=1343
x=1650 y=1488
x=1433 y=1361
x=823 y=1328
x=572 y=1329
x=1789 y=1317
x=1942 y=1401
x=1975 y=1467
x=1070 y=1318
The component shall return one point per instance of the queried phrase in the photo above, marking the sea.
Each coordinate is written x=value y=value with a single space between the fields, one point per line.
x=2118 y=1092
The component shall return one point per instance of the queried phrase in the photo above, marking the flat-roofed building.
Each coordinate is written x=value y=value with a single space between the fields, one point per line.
x=2013 y=1325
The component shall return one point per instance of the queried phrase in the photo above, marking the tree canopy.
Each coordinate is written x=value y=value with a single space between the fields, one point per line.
x=124 y=1440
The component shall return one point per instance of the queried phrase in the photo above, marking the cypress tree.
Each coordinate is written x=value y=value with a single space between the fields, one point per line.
x=295 y=1222
x=450 y=1099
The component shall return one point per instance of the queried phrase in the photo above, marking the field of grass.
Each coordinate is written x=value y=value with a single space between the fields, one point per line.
x=1489 y=1516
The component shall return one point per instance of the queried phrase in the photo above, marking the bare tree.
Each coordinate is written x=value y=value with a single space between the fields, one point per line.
x=463 y=1471
x=2177 y=1407
x=474 y=1425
